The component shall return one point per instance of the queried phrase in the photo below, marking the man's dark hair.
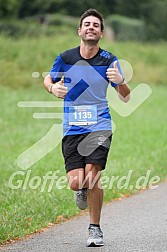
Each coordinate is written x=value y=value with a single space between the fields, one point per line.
x=92 y=12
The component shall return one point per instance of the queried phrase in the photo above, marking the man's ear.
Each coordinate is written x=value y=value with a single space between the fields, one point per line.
x=101 y=34
x=79 y=31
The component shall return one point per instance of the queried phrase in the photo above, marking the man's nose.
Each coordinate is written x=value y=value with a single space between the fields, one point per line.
x=91 y=27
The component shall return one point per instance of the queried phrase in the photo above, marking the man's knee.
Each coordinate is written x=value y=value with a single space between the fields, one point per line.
x=92 y=176
x=74 y=185
x=75 y=179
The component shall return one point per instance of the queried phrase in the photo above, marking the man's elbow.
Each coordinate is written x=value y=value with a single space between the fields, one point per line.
x=125 y=99
x=47 y=80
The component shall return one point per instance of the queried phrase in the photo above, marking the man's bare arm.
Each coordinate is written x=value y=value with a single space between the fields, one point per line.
x=122 y=88
x=57 y=89
x=124 y=92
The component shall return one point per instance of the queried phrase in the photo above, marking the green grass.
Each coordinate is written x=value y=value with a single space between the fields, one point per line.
x=139 y=142
x=21 y=57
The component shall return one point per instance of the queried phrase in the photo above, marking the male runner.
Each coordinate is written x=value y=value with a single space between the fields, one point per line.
x=81 y=77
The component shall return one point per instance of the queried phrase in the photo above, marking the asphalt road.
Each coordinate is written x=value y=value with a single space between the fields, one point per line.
x=137 y=223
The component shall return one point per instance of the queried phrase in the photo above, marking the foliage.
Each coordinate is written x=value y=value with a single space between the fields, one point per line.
x=9 y=8
x=152 y=12
x=127 y=28
x=155 y=16
x=38 y=25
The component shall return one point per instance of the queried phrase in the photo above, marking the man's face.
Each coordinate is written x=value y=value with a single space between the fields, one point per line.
x=91 y=29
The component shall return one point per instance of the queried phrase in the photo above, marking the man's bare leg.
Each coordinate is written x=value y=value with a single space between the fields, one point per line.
x=95 y=199
x=76 y=178
x=76 y=183
x=95 y=192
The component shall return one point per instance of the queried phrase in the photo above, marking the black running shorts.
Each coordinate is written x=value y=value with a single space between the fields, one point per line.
x=87 y=148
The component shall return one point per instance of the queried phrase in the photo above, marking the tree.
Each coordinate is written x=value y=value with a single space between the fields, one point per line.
x=155 y=16
x=9 y=8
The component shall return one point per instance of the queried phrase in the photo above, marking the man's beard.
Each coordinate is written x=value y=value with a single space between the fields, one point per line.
x=91 y=41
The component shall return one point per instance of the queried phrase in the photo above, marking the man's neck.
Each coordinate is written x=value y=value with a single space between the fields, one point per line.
x=88 y=51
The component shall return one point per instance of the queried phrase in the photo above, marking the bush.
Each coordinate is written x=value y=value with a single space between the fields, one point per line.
x=17 y=28
x=127 y=28
x=38 y=25
x=64 y=20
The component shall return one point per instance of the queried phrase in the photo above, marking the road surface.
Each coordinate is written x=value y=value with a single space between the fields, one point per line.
x=137 y=223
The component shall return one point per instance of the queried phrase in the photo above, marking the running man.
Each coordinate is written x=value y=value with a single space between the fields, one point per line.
x=81 y=77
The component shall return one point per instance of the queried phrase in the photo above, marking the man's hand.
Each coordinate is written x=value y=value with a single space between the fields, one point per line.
x=58 y=89
x=114 y=75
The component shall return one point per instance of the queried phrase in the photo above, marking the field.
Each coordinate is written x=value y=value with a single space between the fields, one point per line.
x=139 y=142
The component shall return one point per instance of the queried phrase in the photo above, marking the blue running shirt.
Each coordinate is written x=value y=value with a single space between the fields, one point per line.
x=87 y=86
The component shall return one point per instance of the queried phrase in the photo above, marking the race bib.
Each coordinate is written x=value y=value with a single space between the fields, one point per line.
x=83 y=115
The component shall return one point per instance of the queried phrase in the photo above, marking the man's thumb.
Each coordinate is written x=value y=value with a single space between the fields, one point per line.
x=62 y=80
x=115 y=64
